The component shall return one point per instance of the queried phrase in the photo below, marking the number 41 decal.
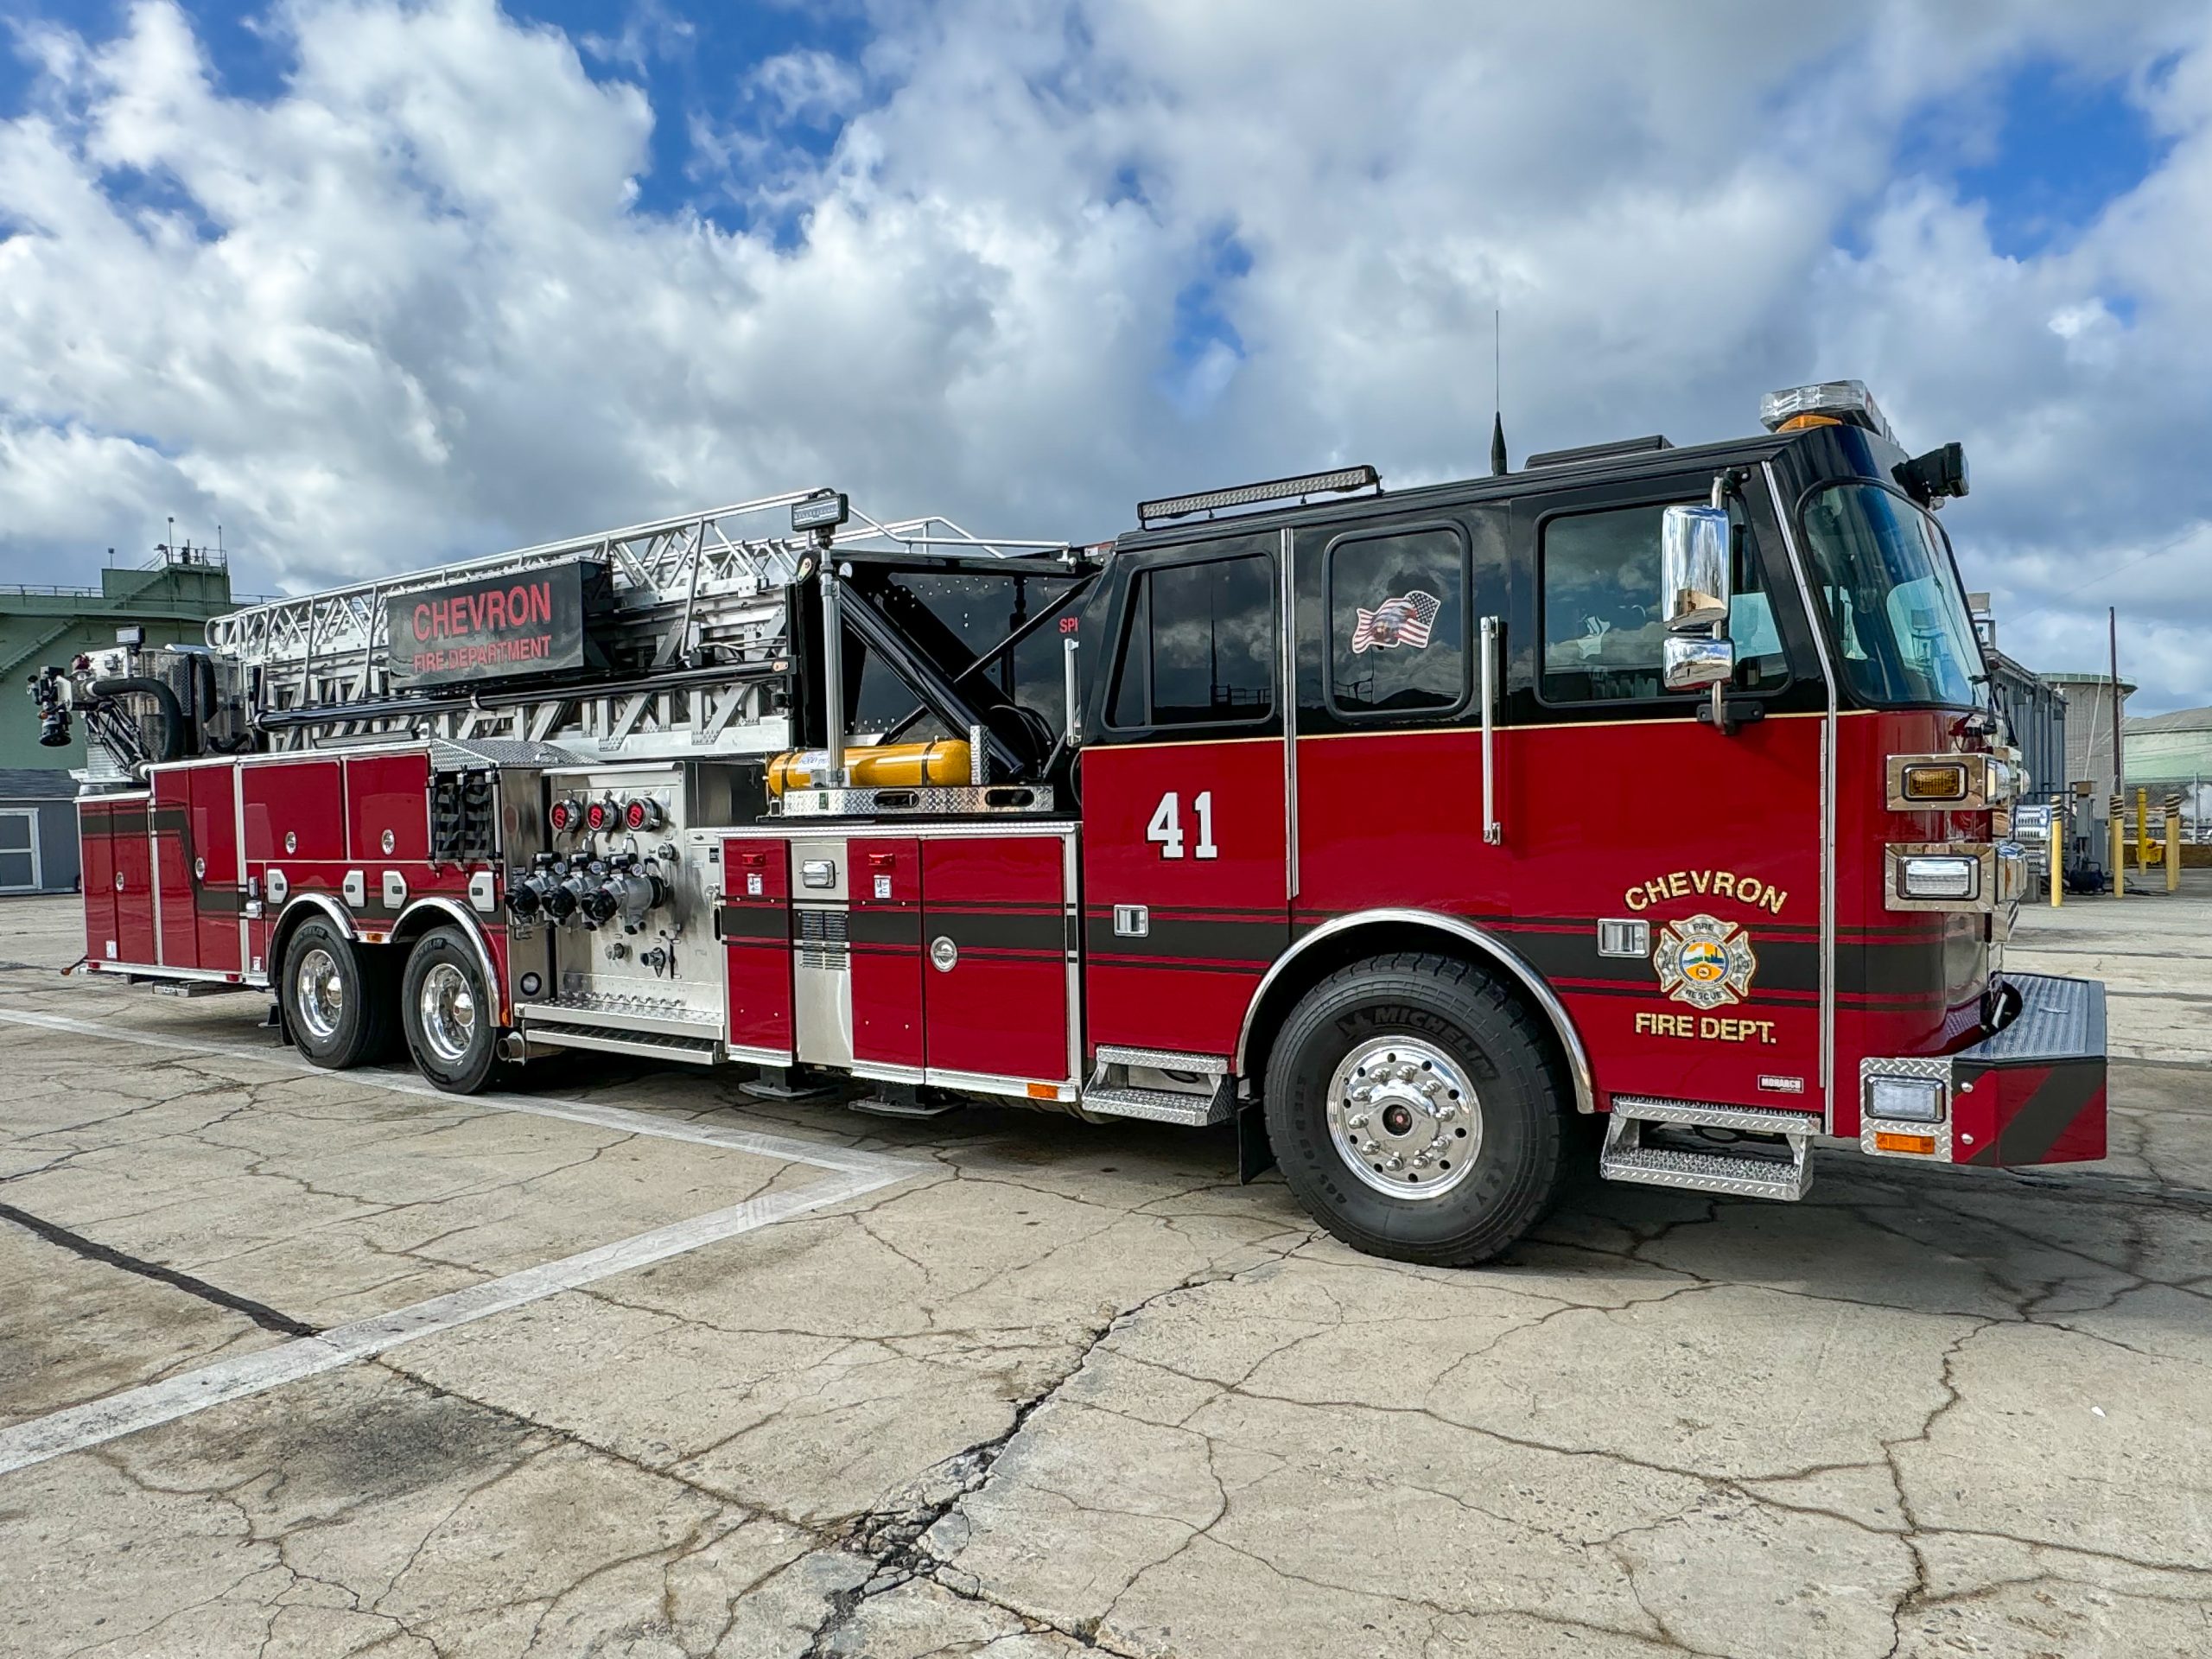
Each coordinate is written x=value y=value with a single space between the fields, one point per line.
x=1167 y=826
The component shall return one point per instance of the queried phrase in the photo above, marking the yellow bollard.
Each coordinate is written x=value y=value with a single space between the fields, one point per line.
x=2056 y=841
x=2173 y=843
x=2142 y=828
x=2118 y=847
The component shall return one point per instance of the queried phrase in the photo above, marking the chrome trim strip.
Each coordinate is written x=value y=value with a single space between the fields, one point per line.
x=992 y=1082
x=1287 y=646
x=746 y=1052
x=321 y=902
x=1816 y=623
x=1577 y=1058
x=1493 y=831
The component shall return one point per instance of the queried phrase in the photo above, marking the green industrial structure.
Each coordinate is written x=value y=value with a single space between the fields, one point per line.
x=171 y=600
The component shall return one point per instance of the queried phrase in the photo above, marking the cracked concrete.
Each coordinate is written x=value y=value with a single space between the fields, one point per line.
x=1070 y=1390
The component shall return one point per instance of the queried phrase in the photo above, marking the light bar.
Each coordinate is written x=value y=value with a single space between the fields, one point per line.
x=1846 y=401
x=824 y=511
x=1338 y=482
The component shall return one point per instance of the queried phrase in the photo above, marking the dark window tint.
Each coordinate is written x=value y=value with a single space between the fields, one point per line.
x=1200 y=647
x=1398 y=622
x=1601 y=618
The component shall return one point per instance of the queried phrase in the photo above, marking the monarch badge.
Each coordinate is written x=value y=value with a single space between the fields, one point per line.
x=1705 y=961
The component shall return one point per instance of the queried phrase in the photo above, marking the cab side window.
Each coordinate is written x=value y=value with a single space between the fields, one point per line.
x=1397 y=606
x=1199 y=649
x=1602 y=627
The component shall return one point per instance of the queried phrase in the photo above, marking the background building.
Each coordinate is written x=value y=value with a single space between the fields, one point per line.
x=171 y=599
x=2034 y=710
x=2088 y=729
x=38 y=830
x=2172 y=754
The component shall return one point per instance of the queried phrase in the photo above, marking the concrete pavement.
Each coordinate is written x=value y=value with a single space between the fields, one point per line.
x=629 y=1364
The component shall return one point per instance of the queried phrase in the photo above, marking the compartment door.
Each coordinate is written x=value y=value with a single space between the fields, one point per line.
x=173 y=858
x=755 y=923
x=96 y=841
x=886 y=930
x=134 y=885
x=997 y=936
x=212 y=837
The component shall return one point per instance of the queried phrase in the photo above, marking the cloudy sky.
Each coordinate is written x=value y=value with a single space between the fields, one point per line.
x=372 y=284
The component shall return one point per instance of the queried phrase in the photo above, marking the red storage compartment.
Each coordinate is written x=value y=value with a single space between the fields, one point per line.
x=179 y=922
x=388 y=796
x=1001 y=1007
x=886 y=930
x=134 y=886
x=755 y=923
x=296 y=813
x=213 y=842
x=96 y=845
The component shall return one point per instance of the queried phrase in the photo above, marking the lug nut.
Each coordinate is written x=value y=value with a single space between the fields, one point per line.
x=1358 y=1120
x=1393 y=1162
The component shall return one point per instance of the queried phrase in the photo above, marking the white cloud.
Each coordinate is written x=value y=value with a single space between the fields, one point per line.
x=410 y=306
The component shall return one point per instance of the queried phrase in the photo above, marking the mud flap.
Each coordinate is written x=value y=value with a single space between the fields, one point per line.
x=1255 y=1155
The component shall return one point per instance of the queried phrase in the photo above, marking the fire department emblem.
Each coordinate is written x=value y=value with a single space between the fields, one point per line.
x=1705 y=961
x=1402 y=621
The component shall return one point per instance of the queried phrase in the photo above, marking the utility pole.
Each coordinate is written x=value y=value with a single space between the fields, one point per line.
x=2118 y=770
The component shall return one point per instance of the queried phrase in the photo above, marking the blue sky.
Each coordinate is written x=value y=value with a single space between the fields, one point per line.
x=379 y=281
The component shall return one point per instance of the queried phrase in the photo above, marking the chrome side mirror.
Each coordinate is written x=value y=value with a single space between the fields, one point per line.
x=1694 y=567
x=1694 y=545
x=1692 y=661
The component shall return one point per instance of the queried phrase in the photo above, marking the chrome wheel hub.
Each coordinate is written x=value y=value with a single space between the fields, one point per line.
x=448 y=1010
x=318 y=993
x=1404 y=1117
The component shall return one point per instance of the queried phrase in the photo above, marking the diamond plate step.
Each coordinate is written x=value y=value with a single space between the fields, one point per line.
x=1743 y=1173
x=1192 y=1111
x=1706 y=1172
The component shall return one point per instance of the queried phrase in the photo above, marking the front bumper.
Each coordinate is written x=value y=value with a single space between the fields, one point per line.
x=2033 y=1093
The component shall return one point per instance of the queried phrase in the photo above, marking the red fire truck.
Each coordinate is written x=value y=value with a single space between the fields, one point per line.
x=1420 y=834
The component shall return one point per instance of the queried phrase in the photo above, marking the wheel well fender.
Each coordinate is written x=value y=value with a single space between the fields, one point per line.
x=1343 y=940
x=437 y=911
x=303 y=907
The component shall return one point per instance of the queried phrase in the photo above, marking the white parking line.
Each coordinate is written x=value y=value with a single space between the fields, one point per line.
x=570 y=1111
x=79 y=1427
x=853 y=1173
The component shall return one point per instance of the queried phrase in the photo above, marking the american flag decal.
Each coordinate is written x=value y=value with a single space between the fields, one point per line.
x=1394 y=622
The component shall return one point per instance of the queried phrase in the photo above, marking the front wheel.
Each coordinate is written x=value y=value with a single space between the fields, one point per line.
x=451 y=1015
x=1415 y=1111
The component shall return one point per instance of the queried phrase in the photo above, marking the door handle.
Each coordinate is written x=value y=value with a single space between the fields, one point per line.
x=1493 y=831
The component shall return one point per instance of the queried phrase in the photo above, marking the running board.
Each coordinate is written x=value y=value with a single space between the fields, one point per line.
x=1776 y=1163
x=1112 y=1092
x=650 y=1044
x=1159 y=1105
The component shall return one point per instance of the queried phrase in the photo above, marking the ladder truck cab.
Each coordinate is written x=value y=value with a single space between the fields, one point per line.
x=1421 y=834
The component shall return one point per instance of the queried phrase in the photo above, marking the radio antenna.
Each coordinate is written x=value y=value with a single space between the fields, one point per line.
x=1497 y=467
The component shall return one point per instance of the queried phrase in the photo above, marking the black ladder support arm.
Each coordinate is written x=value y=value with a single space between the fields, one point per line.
x=925 y=679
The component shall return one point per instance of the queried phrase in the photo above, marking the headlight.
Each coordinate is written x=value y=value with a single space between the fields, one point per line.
x=1939 y=876
x=1909 y=1100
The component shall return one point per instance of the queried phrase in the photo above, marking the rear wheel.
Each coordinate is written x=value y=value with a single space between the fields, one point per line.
x=451 y=1015
x=1415 y=1110
x=337 y=1002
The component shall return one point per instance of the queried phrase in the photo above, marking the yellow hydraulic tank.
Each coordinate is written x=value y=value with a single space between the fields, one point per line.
x=887 y=766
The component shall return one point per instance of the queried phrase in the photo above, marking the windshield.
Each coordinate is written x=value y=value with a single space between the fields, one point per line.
x=1898 y=619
